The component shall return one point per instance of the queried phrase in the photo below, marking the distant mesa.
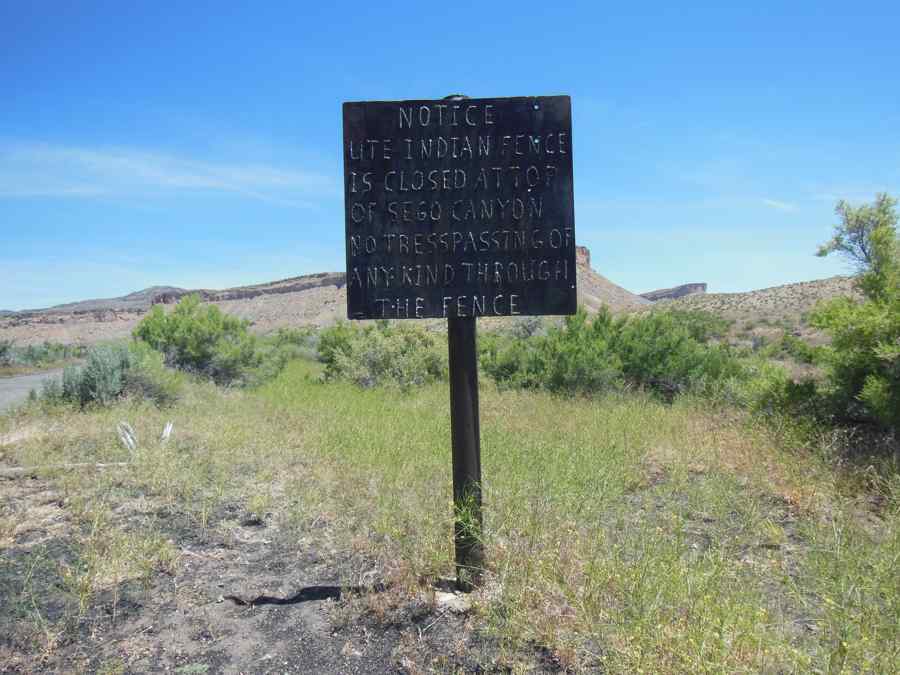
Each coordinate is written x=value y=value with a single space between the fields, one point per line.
x=675 y=293
x=321 y=299
x=594 y=291
x=137 y=301
x=313 y=299
x=140 y=301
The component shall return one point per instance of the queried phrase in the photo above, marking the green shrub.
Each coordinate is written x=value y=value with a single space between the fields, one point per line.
x=701 y=325
x=574 y=358
x=333 y=341
x=767 y=389
x=668 y=351
x=664 y=351
x=381 y=354
x=51 y=391
x=44 y=354
x=101 y=380
x=6 y=352
x=305 y=337
x=863 y=359
x=111 y=372
x=790 y=346
x=275 y=351
x=148 y=378
x=103 y=375
x=527 y=326
x=201 y=339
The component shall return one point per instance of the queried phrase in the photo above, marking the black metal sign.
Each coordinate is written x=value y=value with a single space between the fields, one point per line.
x=459 y=208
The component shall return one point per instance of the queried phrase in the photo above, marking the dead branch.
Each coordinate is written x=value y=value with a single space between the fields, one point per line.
x=28 y=471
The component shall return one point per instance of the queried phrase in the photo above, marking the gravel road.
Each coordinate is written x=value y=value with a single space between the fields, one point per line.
x=14 y=390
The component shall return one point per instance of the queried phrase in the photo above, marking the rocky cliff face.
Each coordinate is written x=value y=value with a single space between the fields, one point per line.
x=168 y=295
x=596 y=291
x=676 y=292
x=582 y=256
x=292 y=285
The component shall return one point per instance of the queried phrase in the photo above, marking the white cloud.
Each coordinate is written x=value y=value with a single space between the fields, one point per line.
x=44 y=170
x=779 y=205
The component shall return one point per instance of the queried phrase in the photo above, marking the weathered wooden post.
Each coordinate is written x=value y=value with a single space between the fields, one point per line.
x=466 y=440
x=459 y=208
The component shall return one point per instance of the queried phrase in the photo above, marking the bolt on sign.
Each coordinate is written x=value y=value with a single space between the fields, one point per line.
x=459 y=208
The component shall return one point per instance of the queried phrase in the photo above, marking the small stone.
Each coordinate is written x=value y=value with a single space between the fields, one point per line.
x=350 y=650
x=459 y=604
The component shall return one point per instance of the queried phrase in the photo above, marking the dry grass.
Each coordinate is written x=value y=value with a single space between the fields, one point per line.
x=622 y=534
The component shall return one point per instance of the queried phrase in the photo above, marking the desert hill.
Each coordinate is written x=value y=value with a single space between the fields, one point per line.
x=773 y=304
x=313 y=299
x=138 y=300
x=142 y=300
x=675 y=292
x=320 y=300
x=768 y=312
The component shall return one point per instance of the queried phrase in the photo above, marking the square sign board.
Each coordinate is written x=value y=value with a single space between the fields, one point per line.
x=459 y=208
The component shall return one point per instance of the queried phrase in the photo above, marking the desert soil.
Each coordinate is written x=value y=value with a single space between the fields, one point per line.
x=252 y=598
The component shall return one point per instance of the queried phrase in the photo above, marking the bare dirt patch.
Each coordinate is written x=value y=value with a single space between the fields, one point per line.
x=244 y=596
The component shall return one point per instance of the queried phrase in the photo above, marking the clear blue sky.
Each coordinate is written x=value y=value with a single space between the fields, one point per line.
x=199 y=144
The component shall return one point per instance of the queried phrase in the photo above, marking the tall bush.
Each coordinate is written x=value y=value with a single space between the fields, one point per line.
x=201 y=338
x=863 y=359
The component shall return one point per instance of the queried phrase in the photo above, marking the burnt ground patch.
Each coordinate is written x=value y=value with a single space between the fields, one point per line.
x=246 y=596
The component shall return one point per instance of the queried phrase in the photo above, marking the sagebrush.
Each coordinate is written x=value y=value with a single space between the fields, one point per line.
x=112 y=372
x=382 y=354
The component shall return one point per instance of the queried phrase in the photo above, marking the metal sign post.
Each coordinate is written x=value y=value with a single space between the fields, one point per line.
x=458 y=208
